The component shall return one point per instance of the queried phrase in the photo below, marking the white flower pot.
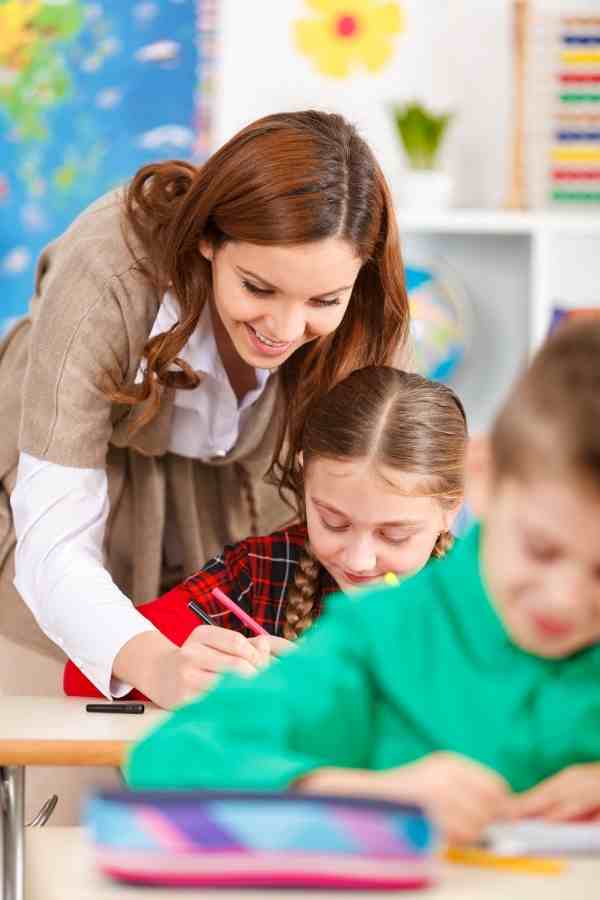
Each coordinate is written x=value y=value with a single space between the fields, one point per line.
x=419 y=189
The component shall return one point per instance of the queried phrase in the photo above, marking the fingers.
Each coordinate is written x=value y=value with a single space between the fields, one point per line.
x=464 y=797
x=262 y=645
x=490 y=784
x=206 y=659
x=280 y=646
x=533 y=804
x=469 y=813
x=474 y=783
x=566 y=811
x=560 y=809
x=223 y=640
x=572 y=794
x=192 y=684
x=463 y=821
x=546 y=796
x=458 y=828
x=461 y=818
x=277 y=646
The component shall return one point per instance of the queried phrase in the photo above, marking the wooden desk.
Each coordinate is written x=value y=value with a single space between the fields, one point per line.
x=60 y=867
x=52 y=731
x=58 y=731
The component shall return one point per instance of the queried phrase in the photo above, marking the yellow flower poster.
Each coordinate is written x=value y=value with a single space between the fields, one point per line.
x=345 y=36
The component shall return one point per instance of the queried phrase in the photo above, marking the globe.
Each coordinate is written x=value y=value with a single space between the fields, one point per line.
x=439 y=320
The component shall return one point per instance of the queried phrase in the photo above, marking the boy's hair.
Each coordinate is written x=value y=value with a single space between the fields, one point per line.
x=550 y=422
x=397 y=420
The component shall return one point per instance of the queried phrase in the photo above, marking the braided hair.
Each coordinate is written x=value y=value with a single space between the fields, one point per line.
x=302 y=596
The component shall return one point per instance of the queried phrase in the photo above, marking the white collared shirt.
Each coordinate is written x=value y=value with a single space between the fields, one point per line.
x=206 y=421
x=60 y=515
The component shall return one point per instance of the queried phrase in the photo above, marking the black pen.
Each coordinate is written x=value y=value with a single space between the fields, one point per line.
x=195 y=607
x=131 y=708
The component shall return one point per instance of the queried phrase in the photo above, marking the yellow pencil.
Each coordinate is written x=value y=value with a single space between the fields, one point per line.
x=391 y=578
x=530 y=865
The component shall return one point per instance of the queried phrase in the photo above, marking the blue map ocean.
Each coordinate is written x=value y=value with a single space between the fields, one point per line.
x=130 y=75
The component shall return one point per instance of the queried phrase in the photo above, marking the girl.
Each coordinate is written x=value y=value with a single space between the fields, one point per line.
x=377 y=479
x=179 y=331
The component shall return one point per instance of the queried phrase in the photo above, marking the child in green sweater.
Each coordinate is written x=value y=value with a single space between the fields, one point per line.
x=472 y=689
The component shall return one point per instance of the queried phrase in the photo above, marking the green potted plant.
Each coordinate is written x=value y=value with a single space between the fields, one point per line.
x=421 y=134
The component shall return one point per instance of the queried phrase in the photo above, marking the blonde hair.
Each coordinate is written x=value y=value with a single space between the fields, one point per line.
x=397 y=419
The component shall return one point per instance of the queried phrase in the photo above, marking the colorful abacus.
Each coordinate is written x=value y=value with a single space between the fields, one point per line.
x=575 y=152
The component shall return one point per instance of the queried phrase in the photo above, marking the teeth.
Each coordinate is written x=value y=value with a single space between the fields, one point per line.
x=266 y=340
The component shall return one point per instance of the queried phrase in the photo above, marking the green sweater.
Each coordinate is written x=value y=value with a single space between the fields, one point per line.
x=382 y=681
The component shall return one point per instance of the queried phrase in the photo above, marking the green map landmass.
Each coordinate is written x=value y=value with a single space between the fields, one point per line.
x=33 y=73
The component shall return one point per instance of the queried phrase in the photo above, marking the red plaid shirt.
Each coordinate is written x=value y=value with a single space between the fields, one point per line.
x=256 y=573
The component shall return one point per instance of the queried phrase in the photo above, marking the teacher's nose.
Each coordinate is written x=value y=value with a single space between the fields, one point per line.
x=287 y=323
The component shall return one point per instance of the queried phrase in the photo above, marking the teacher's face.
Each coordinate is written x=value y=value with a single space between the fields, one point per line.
x=273 y=299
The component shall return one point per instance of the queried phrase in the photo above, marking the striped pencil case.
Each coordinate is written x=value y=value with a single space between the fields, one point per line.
x=214 y=839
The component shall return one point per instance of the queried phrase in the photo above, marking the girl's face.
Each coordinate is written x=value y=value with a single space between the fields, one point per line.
x=273 y=299
x=364 y=521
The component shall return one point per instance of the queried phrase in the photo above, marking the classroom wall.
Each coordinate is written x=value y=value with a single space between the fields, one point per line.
x=453 y=54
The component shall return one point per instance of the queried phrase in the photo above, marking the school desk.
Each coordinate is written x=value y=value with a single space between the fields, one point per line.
x=60 y=867
x=52 y=731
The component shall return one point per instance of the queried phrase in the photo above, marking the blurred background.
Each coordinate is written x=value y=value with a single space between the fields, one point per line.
x=485 y=115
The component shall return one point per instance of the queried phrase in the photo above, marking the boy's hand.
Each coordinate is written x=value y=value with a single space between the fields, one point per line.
x=572 y=794
x=461 y=796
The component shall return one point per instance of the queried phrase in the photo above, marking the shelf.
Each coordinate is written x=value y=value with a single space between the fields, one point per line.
x=482 y=221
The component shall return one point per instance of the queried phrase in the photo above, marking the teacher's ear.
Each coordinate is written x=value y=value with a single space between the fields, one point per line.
x=206 y=250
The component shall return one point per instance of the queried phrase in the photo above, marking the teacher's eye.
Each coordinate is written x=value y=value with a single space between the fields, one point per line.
x=256 y=290
x=321 y=303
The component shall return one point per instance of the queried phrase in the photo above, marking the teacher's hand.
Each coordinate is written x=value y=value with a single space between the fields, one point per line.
x=278 y=646
x=182 y=673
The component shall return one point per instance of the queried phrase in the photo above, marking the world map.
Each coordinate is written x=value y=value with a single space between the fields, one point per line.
x=89 y=92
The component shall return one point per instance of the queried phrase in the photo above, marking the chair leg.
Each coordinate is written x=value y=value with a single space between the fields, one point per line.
x=12 y=803
x=44 y=813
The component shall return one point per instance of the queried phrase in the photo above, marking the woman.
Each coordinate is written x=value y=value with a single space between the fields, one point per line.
x=179 y=332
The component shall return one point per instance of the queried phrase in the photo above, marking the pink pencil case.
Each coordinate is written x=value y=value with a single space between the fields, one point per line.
x=214 y=839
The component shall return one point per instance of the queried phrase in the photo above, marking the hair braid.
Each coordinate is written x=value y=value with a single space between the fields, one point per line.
x=301 y=596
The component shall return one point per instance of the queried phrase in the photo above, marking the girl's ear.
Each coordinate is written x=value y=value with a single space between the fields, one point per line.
x=478 y=474
x=207 y=250
x=450 y=515
x=301 y=459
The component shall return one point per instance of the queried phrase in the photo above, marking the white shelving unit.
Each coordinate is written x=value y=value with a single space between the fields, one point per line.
x=516 y=267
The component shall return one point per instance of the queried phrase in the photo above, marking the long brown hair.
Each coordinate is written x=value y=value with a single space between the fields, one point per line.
x=395 y=419
x=289 y=178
